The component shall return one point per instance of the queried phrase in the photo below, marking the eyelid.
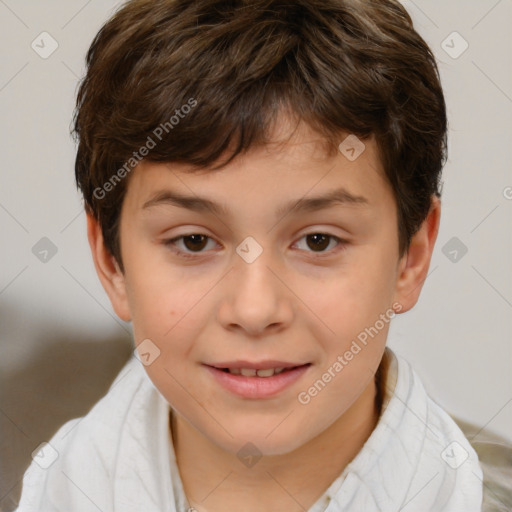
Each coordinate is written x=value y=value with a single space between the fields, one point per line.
x=341 y=244
x=170 y=242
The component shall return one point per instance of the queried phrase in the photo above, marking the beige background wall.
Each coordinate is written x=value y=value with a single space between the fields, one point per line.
x=61 y=344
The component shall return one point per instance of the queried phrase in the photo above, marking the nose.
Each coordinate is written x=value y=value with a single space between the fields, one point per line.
x=254 y=298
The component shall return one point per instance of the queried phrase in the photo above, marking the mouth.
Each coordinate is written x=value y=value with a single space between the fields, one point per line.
x=257 y=380
x=259 y=372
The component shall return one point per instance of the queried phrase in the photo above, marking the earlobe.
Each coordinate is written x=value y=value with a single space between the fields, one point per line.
x=107 y=268
x=414 y=265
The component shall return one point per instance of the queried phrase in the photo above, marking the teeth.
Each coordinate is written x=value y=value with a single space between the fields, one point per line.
x=265 y=373
x=249 y=372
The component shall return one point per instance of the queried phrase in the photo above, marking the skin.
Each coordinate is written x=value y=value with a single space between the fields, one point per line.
x=296 y=302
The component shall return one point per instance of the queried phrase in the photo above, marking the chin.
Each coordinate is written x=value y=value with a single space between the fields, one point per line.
x=257 y=441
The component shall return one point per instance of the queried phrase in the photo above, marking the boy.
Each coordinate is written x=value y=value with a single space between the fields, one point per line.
x=299 y=146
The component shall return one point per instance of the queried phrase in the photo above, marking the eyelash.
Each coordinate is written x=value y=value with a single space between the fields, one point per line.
x=341 y=245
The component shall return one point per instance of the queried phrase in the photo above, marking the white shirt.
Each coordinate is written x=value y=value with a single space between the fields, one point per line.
x=120 y=457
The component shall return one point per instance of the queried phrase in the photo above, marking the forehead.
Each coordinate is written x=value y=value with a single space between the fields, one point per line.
x=295 y=162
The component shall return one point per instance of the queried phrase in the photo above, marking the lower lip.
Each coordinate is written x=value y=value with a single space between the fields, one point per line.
x=257 y=387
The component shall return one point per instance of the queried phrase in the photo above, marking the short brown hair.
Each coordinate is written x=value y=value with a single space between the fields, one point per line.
x=339 y=65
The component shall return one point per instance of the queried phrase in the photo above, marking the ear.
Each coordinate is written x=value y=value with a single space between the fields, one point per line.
x=413 y=266
x=107 y=268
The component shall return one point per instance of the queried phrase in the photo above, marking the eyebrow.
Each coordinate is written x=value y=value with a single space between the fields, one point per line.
x=339 y=196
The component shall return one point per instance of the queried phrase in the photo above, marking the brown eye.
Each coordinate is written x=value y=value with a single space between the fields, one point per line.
x=318 y=241
x=195 y=242
x=191 y=245
x=321 y=244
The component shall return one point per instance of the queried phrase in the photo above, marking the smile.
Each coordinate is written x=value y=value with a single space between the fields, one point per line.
x=251 y=372
x=257 y=383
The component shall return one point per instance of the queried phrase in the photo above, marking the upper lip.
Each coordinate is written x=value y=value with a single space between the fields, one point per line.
x=262 y=365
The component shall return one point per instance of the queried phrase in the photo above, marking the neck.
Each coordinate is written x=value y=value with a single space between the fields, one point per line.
x=292 y=481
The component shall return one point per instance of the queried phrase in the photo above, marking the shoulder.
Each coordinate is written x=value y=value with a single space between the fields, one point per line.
x=102 y=424
x=444 y=454
x=82 y=454
x=495 y=454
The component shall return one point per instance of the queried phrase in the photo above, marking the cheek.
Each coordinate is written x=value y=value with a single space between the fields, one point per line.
x=160 y=296
x=165 y=314
x=171 y=311
x=356 y=308
x=171 y=318
x=355 y=297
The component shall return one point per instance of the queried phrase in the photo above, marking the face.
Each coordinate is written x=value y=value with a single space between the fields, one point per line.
x=286 y=258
